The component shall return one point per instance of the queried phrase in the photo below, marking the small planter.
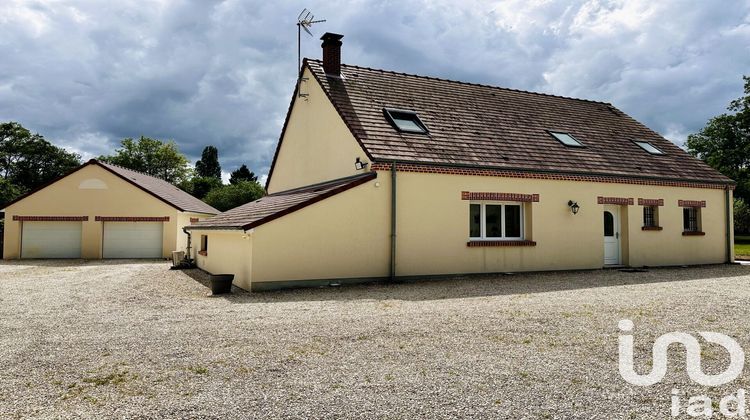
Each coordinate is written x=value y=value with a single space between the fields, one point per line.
x=221 y=283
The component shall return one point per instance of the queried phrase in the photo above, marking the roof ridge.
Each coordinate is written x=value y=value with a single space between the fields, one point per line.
x=131 y=170
x=441 y=79
x=319 y=184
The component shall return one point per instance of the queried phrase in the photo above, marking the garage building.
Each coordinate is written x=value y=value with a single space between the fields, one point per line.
x=101 y=211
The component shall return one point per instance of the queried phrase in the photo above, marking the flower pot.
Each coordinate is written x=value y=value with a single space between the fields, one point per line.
x=221 y=283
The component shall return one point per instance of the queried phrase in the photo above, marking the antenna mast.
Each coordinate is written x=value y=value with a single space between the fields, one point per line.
x=304 y=21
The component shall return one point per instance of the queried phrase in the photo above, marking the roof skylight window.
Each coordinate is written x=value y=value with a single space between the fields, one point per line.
x=405 y=121
x=566 y=139
x=648 y=147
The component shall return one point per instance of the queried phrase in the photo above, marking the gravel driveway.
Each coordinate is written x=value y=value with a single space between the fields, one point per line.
x=134 y=339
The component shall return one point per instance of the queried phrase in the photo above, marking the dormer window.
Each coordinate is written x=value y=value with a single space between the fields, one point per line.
x=566 y=139
x=405 y=121
x=648 y=147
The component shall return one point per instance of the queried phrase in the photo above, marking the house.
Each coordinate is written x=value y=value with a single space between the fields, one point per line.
x=380 y=175
x=101 y=210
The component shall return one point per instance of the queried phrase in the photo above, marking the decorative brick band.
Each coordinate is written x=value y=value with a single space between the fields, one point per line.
x=622 y=201
x=652 y=228
x=691 y=203
x=500 y=243
x=691 y=233
x=130 y=219
x=650 y=201
x=50 y=218
x=194 y=220
x=490 y=196
x=404 y=167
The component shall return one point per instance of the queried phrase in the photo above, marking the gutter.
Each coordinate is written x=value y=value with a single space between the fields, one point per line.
x=553 y=171
x=729 y=207
x=393 y=222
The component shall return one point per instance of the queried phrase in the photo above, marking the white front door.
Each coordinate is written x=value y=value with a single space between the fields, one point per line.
x=51 y=240
x=611 y=235
x=132 y=240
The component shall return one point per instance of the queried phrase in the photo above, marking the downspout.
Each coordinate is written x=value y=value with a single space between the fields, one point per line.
x=393 y=221
x=729 y=208
x=189 y=254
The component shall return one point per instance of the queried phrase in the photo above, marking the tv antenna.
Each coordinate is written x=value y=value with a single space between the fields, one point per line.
x=304 y=21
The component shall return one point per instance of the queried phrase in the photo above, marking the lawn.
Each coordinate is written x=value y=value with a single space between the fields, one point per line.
x=742 y=246
x=136 y=340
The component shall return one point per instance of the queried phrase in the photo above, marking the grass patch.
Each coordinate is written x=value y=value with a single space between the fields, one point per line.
x=113 y=378
x=742 y=245
x=199 y=370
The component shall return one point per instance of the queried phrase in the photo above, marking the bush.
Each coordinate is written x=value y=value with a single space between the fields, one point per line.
x=741 y=216
x=234 y=195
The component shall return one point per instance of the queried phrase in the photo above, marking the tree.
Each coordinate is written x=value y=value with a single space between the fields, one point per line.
x=242 y=174
x=28 y=161
x=152 y=157
x=724 y=143
x=201 y=186
x=208 y=166
x=230 y=196
x=8 y=191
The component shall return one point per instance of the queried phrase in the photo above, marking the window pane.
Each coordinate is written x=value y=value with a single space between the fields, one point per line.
x=566 y=139
x=649 y=147
x=493 y=216
x=513 y=221
x=690 y=219
x=649 y=216
x=474 y=221
x=609 y=224
x=407 y=125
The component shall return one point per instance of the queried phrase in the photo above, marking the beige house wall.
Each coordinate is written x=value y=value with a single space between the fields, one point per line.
x=317 y=146
x=347 y=236
x=92 y=191
x=433 y=227
x=229 y=252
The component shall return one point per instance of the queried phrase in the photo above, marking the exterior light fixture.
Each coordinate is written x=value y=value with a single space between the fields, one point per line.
x=359 y=165
x=574 y=207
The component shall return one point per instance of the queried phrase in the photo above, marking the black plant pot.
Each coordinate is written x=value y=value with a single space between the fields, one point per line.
x=221 y=283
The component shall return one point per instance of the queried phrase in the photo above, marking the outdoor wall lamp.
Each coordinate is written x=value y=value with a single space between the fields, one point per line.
x=573 y=206
x=358 y=164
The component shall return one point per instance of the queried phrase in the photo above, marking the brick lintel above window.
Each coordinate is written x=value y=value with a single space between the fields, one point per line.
x=497 y=196
x=622 y=201
x=479 y=243
x=691 y=203
x=650 y=201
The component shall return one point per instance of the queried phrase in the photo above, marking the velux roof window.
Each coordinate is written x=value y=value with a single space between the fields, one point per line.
x=566 y=139
x=405 y=121
x=648 y=147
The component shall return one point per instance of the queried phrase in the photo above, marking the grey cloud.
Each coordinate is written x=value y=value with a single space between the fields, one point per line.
x=209 y=72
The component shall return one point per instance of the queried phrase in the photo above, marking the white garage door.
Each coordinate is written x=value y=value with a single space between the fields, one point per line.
x=132 y=239
x=51 y=240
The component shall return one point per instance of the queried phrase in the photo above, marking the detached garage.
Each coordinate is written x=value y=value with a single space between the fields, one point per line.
x=101 y=211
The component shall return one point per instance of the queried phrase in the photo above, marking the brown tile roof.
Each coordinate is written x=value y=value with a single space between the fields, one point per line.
x=160 y=189
x=276 y=205
x=491 y=127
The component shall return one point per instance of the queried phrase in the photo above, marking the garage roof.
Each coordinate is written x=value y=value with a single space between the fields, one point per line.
x=157 y=187
x=276 y=205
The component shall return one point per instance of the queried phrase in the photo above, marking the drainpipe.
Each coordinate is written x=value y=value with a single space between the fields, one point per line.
x=189 y=255
x=729 y=208
x=393 y=221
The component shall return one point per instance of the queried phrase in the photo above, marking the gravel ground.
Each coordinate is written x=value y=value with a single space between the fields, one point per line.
x=134 y=339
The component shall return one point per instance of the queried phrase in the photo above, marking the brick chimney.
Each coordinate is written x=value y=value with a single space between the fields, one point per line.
x=331 y=53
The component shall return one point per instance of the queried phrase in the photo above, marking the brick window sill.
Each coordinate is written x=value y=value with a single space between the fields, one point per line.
x=480 y=243
x=690 y=233
x=204 y=253
x=652 y=228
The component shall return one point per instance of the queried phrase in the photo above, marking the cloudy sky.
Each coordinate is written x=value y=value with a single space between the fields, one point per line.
x=87 y=73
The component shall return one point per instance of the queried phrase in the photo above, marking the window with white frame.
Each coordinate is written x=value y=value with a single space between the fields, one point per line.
x=495 y=221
